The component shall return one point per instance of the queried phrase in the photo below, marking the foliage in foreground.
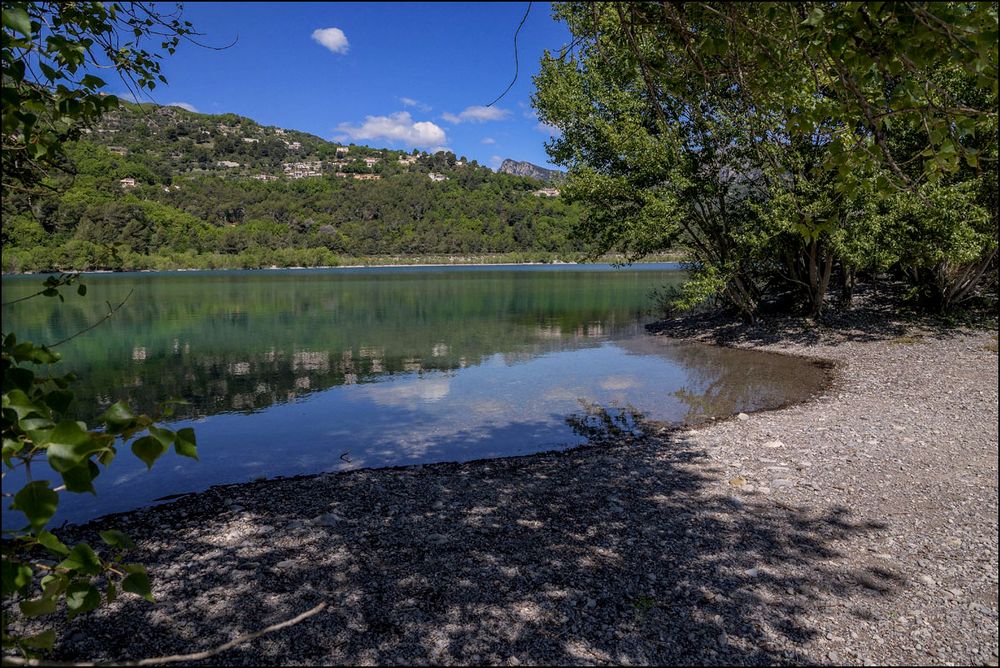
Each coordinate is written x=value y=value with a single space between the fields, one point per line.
x=50 y=96
x=38 y=568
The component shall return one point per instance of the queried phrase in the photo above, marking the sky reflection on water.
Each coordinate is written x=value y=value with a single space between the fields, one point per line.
x=496 y=373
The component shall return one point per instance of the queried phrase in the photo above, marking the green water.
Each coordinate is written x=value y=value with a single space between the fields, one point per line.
x=286 y=371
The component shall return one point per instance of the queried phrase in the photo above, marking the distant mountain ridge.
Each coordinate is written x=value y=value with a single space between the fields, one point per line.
x=524 y=168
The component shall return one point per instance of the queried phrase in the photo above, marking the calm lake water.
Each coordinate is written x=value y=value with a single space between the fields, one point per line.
x=302 y=371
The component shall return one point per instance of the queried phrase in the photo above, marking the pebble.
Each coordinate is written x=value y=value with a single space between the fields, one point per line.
x=916 y=521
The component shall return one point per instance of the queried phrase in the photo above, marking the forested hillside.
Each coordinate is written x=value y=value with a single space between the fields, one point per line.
x=162 y=187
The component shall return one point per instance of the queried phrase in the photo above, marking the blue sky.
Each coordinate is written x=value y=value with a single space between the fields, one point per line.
x=397 y=75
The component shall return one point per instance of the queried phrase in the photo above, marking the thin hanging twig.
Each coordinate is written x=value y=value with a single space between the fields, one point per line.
x=111 y=311
x=516 y=64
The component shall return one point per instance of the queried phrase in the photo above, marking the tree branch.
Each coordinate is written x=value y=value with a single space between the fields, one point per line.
x=174 y=658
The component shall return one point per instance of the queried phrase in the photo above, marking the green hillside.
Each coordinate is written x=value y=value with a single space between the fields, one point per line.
x=162 y=187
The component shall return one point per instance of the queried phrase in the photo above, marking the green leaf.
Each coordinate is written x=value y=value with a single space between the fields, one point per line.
x=59 y=400
x=16 y=577
x=148 y=449
x=117 y=416
x=52 y=544
x=37 y=502
x=69 y=444
x=80 y=478
x=35 y=424
x=44 y=640
x=81 y=597
x=185 y=444
x=164 y=436
x=21 y=404
x=16 y=18
x=53 y=585
x=81 y=290
x=83 y=560
x=138 y=583
x=38 y=607
x=116 y=538
x=815 y=17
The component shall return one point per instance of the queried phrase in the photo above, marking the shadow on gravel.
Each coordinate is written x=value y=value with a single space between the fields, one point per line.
x=875 y=315
x=605 y=554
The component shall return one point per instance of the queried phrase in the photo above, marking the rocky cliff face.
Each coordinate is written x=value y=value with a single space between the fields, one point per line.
x=521 y=168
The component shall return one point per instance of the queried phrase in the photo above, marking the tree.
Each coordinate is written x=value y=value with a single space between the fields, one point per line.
x=761 y=135
x=50 y=53
x=49 y=95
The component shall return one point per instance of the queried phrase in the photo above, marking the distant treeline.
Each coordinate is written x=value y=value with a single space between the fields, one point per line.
x=161 y=188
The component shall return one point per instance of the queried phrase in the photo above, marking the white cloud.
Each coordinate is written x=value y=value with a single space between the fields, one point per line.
x=477 y=114
x=183 y=105
x=395 y=127
x=129 y=96
x=548 y=129
x=420 y=390
x=489 y=140
x=410 y=102
x=332 y=38
x=495 y=160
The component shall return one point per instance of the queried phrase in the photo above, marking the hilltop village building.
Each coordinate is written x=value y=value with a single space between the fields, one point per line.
x=302 y=170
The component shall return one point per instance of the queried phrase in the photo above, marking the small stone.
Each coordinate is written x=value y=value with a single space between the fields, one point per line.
x=738 y=481
x=591 y=603
x=833 y=656
x=926 y=579
x=287 y=563
x=742 y=417
x=328 y=519
x=723 y=639
x=752 y=572
x=774 y=444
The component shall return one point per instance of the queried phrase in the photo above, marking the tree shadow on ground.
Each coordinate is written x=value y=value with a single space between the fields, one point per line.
x=634 y=553
x=877 y=313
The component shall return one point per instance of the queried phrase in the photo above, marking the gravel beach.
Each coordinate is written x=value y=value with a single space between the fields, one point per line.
x=859 y=527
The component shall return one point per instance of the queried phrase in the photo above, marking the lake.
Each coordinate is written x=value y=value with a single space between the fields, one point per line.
x=292 y=372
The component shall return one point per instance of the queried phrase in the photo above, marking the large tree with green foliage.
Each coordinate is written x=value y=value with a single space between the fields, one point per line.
x=764 y=135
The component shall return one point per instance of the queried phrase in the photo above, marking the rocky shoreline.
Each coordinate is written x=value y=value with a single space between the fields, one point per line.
x=857 y=528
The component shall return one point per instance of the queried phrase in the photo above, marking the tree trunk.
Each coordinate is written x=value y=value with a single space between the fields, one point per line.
x=848 y=280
